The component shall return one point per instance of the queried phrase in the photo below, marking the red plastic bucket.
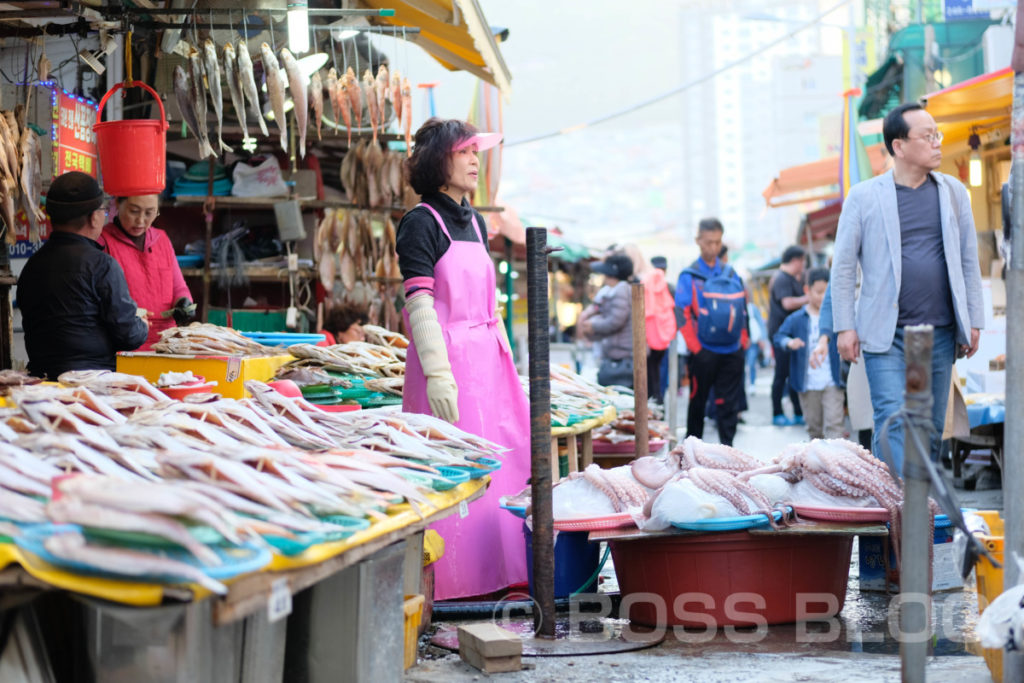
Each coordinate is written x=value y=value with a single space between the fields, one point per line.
x=133 y=152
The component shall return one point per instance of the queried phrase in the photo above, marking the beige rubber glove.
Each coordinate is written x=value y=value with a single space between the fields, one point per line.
x=442 y=393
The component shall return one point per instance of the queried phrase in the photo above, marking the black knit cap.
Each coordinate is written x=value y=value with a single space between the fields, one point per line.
x=71 y=195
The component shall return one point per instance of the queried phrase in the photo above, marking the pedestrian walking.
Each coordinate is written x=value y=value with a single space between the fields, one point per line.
x=608 y=320
x=714 y=305
x=817 y=383
x=787 y=295
x=911 y=232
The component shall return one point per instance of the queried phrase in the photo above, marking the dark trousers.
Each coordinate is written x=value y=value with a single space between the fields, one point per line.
x=780 y=383
x=724 y=372
x=654 y=388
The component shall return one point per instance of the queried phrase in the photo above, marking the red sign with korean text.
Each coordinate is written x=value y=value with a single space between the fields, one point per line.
x=75 y=141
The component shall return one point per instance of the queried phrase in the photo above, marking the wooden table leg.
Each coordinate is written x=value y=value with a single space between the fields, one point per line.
x=572 y=453
x=554 y=460
x=587 y=456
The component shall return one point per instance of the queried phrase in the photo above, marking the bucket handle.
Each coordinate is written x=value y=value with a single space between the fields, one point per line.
x=135 y=84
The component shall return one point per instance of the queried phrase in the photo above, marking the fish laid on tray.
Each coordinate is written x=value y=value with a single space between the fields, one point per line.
x=206 y=339
x=360 y=358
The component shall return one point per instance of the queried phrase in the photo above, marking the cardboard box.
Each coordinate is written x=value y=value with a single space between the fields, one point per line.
x=230 y=372
x=945 y=565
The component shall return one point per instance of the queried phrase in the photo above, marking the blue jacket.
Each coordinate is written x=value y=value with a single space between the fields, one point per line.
x=684 y=299
x=798 y=326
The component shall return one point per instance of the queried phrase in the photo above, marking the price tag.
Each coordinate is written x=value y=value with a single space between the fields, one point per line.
x=463 y=509
x=279 y=605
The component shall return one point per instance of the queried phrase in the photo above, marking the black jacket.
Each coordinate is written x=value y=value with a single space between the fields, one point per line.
x=75 y=308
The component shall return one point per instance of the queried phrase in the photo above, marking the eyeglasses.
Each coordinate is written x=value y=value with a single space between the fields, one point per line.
x=930 y=138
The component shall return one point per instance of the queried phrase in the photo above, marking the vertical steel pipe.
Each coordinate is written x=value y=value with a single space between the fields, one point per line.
x=540 y=432
x=672 y=401
x=916 y=541
x=638 y=315
x=1013 y=447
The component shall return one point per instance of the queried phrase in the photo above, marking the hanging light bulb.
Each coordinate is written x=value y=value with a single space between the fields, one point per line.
x=298 y=26
x=974 y=172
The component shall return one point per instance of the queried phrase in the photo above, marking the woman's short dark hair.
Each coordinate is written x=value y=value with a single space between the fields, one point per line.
x=895 y=127
x=431 y=162
x=343 y=316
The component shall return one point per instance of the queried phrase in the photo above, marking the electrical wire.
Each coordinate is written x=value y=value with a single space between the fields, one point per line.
x=684 y=87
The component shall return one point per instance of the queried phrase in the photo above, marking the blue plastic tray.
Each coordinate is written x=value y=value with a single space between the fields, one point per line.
x=351 y=525
x=727 y=523
x=235 y=560
x=294 y=546
x=286 y=338
x=519 y=512
x=490 y=465
x=190 y=260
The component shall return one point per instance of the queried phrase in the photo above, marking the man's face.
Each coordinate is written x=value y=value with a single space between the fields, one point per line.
x=710 y=243
x=920 y=148
x=797 y=265
x=816 y=293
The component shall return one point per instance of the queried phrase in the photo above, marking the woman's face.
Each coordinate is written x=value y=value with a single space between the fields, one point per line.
x=465 y=166
x=354 y=332
x=138 y=213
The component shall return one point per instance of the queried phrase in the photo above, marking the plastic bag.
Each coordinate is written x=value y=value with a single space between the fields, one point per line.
x=262 y=180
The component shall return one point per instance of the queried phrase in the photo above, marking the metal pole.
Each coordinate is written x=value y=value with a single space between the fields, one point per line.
x=1013 y=447
x=672 y=402
x=915 y=566
x=510 y=289
x=208 y=217
x=639 y=368
x=540 y=432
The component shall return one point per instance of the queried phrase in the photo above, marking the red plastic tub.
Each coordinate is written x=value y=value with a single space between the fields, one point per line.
x=732 y=579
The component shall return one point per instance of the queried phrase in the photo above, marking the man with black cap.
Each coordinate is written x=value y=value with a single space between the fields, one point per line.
x=74 y=301
x=608 y=321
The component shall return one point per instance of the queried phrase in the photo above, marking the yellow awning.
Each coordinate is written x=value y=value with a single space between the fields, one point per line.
x=983 y=101
x=454 y=32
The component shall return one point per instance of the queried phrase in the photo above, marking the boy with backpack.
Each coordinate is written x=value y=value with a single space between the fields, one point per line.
x=714 y=304
x=817 y=383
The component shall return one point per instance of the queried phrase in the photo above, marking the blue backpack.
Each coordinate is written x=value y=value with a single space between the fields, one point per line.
x=720 y=305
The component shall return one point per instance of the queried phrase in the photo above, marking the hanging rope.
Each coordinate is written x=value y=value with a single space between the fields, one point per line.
x=128 y=83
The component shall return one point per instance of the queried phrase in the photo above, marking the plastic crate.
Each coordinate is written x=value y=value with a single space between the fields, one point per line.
x=576 y=561
x=413 y=609
x=990 y=582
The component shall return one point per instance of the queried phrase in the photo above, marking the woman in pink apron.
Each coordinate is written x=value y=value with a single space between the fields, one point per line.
x=459 y=366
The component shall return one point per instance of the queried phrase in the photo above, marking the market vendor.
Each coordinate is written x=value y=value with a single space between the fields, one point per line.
x=75 y=306
x=343 y=324
x=459 y=366
x=150 y=266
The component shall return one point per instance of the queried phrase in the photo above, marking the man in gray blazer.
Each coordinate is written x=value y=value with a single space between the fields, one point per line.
x=911 y=231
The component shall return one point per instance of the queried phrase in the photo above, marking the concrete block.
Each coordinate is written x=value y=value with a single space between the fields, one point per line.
x=490 y=648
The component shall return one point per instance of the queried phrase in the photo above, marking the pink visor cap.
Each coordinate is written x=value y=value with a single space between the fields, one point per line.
x=483 y=141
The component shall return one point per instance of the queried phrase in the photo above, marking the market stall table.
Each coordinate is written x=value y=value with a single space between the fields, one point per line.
x=986 y=418
x=583 y=455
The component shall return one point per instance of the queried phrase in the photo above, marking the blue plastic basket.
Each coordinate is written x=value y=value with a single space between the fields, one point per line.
x=727 y=523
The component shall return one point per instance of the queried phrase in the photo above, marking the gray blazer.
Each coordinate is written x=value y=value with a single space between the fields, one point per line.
x=869 y=236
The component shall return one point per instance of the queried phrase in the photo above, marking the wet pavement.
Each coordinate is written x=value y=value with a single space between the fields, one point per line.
x=859 y=644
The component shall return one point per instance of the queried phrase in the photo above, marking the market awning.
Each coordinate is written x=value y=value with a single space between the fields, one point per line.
x=984 y=101
x=454 y=32
x=793 y=183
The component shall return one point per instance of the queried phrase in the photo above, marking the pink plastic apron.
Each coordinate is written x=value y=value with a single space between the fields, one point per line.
x=484 y=552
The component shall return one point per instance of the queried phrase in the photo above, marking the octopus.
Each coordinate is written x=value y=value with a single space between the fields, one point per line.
x=841 y=468
x=617 y=484
x=654 y=472
x=740 y=493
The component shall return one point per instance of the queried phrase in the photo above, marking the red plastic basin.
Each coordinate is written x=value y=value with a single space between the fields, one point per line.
x=734 y=578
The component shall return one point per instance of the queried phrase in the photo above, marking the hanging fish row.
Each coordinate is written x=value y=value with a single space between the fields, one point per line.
x=373 y=178
x=348 y=98
x=21 y=177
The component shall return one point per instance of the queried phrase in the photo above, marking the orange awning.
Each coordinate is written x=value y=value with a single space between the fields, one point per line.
x=817 y=175
x=984 y=101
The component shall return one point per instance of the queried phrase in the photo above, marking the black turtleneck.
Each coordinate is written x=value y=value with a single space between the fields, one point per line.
x=421 y=244
x=139 y=242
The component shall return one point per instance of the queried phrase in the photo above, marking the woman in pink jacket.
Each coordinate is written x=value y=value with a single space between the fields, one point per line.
x=149 y=264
